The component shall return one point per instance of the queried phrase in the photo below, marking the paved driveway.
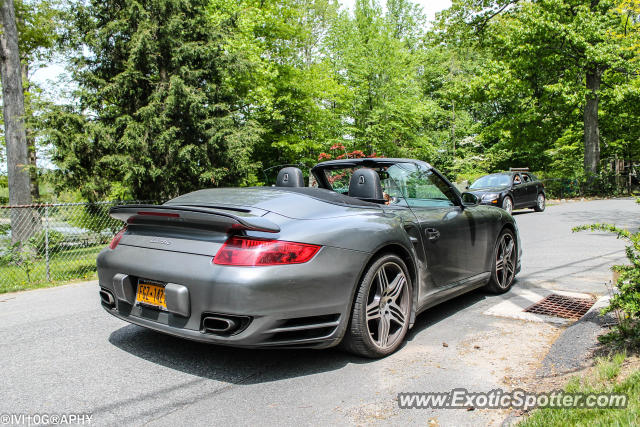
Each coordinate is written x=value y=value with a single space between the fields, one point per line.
x=59 y=352
x=557 y=258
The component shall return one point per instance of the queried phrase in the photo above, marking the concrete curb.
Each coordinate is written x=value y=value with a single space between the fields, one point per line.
x=520 y=298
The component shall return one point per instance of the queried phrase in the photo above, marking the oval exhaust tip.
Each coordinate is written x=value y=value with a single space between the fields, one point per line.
x=218 y=324
x=107 y=298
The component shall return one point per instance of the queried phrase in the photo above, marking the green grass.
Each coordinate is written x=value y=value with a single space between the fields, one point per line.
x=603 y=379
x=65 y=266
x=608 y=368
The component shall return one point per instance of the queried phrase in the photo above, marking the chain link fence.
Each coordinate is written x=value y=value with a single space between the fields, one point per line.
x=602 y=185
x=53 y=242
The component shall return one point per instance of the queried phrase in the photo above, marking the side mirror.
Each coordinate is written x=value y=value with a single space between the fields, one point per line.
x=470 y=199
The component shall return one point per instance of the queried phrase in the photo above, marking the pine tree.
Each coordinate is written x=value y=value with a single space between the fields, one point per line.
x=161 y=103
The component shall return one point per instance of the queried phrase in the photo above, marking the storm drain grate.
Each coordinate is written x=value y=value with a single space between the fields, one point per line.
x=562 y=306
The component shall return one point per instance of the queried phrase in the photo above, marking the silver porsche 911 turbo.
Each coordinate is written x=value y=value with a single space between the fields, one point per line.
x=350 y=259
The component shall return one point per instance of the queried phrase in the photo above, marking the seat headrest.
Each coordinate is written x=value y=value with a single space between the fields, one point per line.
x=290 y=177
x=365 y=184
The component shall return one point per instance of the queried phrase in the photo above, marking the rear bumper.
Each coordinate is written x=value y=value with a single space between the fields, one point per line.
x=287 y=306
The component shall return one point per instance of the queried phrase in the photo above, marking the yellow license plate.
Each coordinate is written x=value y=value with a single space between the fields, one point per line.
x=151 y=294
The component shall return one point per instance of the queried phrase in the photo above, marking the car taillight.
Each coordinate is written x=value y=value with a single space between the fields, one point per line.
x=246 y=251
x=116 y=238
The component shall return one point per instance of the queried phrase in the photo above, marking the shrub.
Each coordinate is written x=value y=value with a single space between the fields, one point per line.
x=95 y=217
x=39 y=241
x=4 y=195
x=605 y=183
x=22 y=256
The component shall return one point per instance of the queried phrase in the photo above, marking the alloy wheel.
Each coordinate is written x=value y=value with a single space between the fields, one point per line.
x=388 y=305
x=541 y=201
x=507 y=204
x=505 y=261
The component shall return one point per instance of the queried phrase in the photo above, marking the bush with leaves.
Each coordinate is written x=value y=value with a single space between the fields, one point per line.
x=95 y=218
x=626 y=301
x=39 y=241
x=22 y=256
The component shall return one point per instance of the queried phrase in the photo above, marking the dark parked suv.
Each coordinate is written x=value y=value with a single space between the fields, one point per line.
x=511 y=190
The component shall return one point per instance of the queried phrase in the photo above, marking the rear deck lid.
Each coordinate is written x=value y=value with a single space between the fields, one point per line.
x=187 y=229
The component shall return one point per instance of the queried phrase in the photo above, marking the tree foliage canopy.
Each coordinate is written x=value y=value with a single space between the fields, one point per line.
x=175 y=95
x=538 y=55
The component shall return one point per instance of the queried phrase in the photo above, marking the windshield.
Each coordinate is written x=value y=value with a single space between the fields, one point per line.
x=420 y=187
x=498 y=180
x=403 y=184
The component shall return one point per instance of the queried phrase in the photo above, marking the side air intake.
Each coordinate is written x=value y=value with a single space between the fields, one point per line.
x=305 y=329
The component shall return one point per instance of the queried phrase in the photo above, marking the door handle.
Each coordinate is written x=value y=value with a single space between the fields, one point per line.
x=432 y=234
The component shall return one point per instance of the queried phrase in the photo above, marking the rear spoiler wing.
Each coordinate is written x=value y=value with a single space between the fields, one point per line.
x=223 y=221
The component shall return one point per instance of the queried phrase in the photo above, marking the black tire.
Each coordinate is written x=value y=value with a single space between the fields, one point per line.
x=358 y=339
x=507 y=204
x=499 y=283
x=541 y=203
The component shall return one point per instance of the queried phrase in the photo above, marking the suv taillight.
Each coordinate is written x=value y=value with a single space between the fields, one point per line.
x=252 y=252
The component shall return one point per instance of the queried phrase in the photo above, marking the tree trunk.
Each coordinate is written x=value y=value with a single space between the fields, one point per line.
x=453 y=127
x=15 y=136
x=591 y=129
x=31 y=142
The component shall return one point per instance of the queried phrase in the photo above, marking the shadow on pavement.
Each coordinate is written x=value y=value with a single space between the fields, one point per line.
x=253 y=366
x=228 y=364
x=544 y=273
x=434 y=315
x=523 y=212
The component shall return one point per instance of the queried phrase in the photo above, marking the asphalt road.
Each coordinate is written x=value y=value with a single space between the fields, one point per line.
x=61 y=353
x=555 y=257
